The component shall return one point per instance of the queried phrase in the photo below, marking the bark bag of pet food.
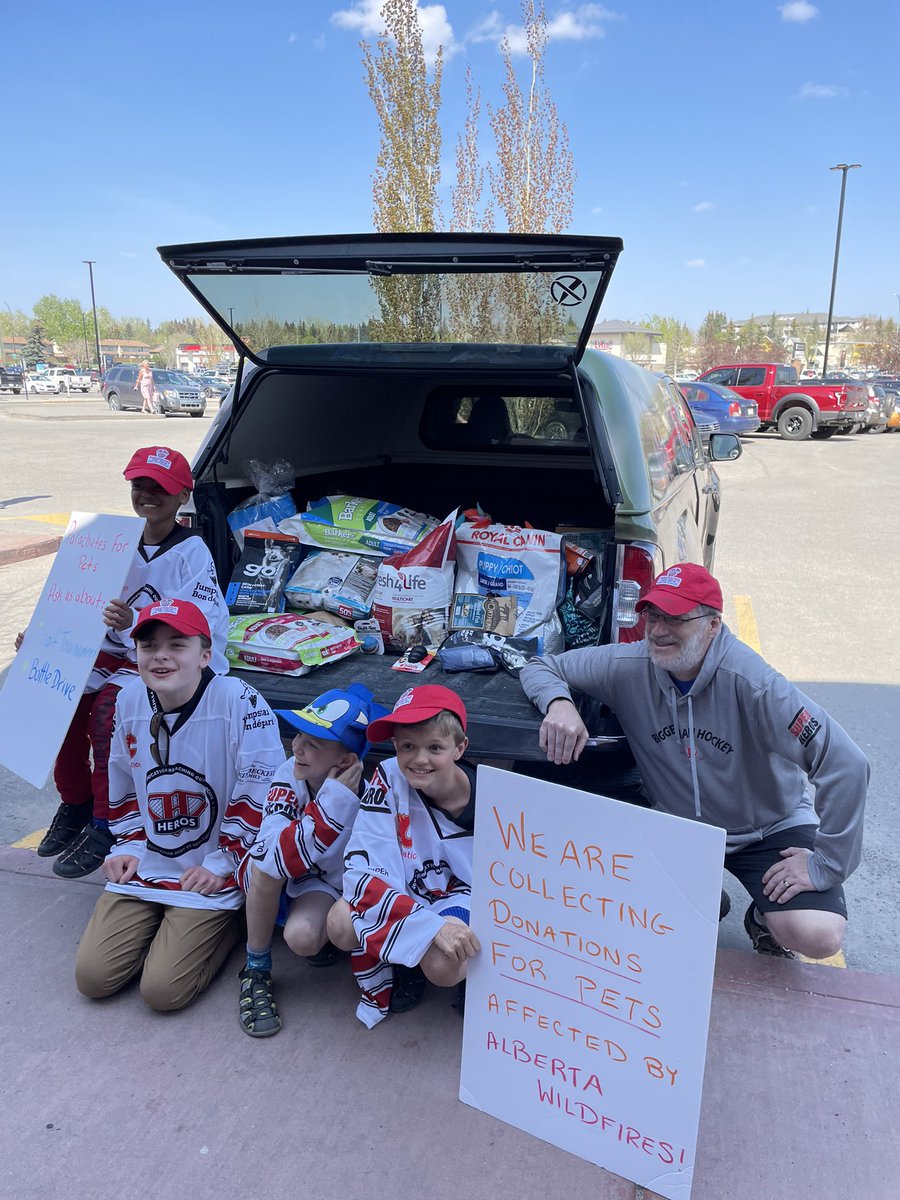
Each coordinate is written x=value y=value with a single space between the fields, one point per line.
x=413 y=591
x=357 y=524
x=520 y=571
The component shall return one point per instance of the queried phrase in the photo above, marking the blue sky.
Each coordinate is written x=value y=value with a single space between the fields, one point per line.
x=702 y=134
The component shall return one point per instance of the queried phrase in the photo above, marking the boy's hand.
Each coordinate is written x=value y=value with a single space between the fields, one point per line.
x=198 y=879
x=457 y=940
x=117 y=615
x=121 y=868
x=19 y=639
x=348 y=776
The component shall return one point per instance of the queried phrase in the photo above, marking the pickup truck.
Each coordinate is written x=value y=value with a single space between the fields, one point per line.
x=470 y=381
x=11 y=379
x=797 y=409
x=70 y=379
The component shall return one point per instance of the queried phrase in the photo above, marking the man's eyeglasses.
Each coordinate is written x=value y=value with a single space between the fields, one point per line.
x=161 y=735
x=651 y=616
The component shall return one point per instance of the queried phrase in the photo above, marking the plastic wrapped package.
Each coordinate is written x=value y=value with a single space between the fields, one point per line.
x=335 y=580
x=287 y=644
x=272 y=503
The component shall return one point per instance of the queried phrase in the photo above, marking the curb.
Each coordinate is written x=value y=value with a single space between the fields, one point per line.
x=26 y=550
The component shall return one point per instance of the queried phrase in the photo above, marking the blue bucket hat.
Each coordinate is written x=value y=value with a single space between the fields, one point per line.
x=341 y=715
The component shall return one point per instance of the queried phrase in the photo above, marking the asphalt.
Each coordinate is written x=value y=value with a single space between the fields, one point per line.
x=799 y=1098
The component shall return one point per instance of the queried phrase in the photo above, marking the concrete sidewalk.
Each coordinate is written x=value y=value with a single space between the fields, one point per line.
x=109 y=1098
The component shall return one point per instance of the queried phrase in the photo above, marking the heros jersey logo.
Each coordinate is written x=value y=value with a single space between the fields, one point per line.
x=804 y=727
x=403 y=835
x=131 y=743
x=173 y=812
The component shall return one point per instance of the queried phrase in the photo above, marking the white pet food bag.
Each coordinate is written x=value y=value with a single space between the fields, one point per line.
x=338 y=582
x=413 y=592
x=510 y=562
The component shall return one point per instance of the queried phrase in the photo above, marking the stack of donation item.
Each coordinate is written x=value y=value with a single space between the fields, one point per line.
x=354 y=574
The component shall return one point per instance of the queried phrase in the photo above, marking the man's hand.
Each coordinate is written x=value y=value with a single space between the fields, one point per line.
x=787 y=879
x=563 y=733
x=198 y=879
x=348 y=776
x=117 y=615
x=121 y=868
x=456 y=940
x=19 y=639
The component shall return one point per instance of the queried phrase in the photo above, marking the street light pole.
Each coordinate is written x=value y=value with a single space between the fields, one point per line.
x=843 y=168
x=89 y=263
x=87 y=357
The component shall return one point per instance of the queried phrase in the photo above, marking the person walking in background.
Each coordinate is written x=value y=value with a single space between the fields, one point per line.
x=147 y=388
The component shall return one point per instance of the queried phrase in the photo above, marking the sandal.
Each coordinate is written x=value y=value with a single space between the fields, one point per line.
x=258 y=1012
x=326 y=957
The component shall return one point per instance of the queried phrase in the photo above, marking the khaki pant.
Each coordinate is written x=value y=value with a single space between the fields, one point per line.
x=179 y=949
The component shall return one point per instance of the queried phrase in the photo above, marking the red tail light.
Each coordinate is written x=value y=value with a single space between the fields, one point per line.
x=637 y=569
x=734 y=409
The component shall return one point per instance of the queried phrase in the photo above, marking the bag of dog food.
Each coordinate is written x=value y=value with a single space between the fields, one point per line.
x=413 y=591
x=520 y=572
x=287 y=644
x=356 y=524
x=266 y=564
x=336 y=581
x=272 y=502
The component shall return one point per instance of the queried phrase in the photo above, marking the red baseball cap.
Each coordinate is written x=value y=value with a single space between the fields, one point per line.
x=415 y=705
x=168 y=468
x=680 y=588
x=181 y=615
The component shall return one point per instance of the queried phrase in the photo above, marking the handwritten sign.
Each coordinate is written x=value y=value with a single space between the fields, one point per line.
x=48 y=674
x=588 y=1007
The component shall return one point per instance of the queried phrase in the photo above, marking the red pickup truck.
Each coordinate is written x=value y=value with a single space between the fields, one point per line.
x=798 y=409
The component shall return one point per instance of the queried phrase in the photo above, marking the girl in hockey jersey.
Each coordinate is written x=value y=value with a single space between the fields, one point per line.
x=192 y=758
x=310 y=810
x=408 y=868
x=170 y=561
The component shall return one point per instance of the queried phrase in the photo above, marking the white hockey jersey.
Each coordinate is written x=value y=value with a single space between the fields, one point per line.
x=406 y=863
x=199 y=800
x=303 y=838
x=180 y=567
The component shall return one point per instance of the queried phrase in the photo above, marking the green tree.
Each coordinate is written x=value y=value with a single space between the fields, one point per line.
x=677 y=337
x=60 y=319
x=36 y=348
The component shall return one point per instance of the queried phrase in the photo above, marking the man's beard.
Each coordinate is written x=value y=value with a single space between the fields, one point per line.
x=690 y=656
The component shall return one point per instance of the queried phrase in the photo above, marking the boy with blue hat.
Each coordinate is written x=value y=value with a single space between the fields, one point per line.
x=312 y=804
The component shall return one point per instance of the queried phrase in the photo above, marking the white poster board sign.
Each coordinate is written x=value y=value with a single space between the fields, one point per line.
x=587 y=1009
x=48 y=674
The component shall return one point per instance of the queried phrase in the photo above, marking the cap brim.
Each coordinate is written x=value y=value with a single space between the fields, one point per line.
x=304 y=726
x=163 y=478
x=667 y=600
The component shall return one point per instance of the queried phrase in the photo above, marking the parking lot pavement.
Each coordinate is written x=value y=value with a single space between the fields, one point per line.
x=801 y=1063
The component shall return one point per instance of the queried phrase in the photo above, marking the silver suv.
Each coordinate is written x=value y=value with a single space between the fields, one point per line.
x=175 y=392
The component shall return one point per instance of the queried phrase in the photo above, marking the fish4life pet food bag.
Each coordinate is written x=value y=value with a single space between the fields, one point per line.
x=413 y=591
x=517 y=564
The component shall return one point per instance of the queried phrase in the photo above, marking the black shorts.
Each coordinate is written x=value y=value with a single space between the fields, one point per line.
x=750 y=863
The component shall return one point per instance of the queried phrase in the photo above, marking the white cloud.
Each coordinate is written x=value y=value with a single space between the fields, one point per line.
x=573 y=25
x=704 y=206
x=364 y=18
x=798 y=12
x=597 y=211
x=821 y=91
x=696 y=262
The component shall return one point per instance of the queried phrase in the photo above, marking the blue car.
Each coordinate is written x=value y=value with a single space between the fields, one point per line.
x=712 y=402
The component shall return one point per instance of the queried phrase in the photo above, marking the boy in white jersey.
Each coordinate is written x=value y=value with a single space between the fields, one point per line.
x=310 y=810
x=192 y=757
x=169 y=561
x=408 y=868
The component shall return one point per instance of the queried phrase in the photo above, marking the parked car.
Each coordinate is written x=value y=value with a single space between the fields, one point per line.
x=881 y=408
x=474 y=384
x=42 y=384
x=174 y=392
x=11 y=379
x=70 y=379
x=797 y=410
x=214 y=388
x=731 y=412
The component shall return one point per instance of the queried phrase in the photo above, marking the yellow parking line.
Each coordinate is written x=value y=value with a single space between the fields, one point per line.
x=44 y=518
x=748 y=632
x=31 y=842
x=747 y=629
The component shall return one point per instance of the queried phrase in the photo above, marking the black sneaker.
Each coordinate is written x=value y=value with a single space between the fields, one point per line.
x=326 y=957
x=407 y=990
x=68 y=821
x=85 y=854
x=460 y=1002
x=761 y=937
x=724 y=905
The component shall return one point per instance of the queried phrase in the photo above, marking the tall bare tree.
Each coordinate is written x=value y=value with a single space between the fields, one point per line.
x=407 y=100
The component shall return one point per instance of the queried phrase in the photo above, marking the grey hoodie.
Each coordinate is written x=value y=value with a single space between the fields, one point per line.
x=735 y=751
